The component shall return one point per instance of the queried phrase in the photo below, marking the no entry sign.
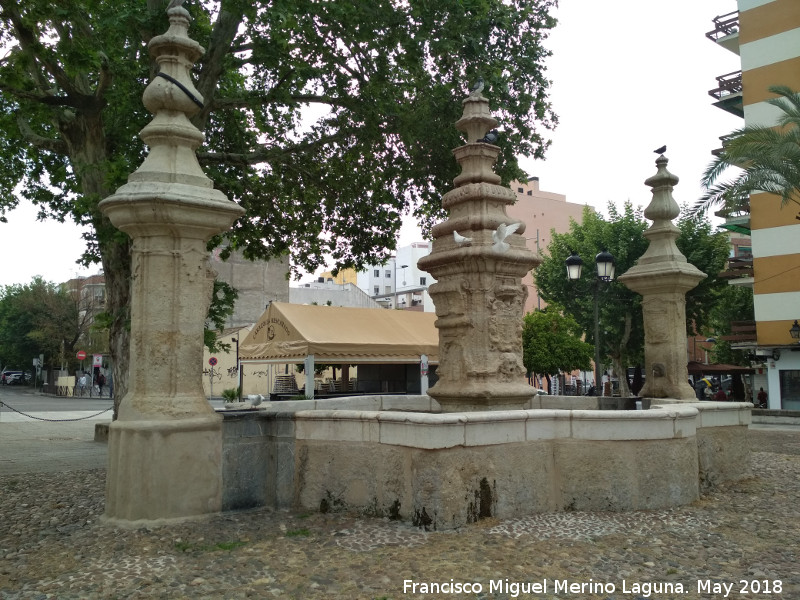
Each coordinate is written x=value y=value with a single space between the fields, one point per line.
x=81 y=355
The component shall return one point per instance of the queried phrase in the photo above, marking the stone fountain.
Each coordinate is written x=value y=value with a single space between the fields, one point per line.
x=165 y=448
x=481 y=445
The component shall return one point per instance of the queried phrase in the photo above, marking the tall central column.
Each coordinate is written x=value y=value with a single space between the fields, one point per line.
x=478 y=259
x=165 y=448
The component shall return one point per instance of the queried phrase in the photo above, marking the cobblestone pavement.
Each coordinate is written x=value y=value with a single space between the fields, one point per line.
x=746 y=535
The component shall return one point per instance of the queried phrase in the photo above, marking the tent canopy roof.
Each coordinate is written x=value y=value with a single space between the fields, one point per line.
x=288 y=333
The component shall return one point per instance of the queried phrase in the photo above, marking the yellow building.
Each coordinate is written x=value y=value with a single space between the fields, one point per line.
x=766 y=36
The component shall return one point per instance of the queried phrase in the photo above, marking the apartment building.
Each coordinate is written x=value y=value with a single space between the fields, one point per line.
x=765 y=34
x=258 y=283
x=399 y=283
x=541 y=212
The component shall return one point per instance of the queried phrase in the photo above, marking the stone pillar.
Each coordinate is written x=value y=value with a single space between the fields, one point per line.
x=663 y=276
x=478 y=259
x=165 y=448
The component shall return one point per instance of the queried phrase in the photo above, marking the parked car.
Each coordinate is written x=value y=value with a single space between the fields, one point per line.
x=12 y=377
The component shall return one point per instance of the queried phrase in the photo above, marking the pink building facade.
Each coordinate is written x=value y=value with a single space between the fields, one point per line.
x=541 y=212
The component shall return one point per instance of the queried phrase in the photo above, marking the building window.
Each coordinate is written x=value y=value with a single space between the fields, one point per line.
x=422 y=280
x=377 y=290
x=520 y=190
x=377 y=273
x=388 y=274
x=790 y=389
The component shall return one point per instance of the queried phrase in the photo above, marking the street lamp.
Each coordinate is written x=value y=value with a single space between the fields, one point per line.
x=606 y=267
x=794 y=331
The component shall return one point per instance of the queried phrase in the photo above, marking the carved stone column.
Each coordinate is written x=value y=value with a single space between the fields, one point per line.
x=165 y=449
x=663 y=276
x=479 y=295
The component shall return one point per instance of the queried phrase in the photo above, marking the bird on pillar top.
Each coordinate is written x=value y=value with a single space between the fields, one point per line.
x=491 y=137
x=660 y=150
x=477 y=87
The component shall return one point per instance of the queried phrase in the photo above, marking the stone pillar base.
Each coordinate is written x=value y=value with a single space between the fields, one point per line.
x=509 y=396
x=163 y=471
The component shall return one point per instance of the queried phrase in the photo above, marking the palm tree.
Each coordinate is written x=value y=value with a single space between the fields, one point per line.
x=768 y=156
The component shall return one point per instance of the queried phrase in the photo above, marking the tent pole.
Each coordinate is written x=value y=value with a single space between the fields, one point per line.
x=309 y=369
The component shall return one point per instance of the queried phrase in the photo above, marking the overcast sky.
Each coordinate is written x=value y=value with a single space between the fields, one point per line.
x=628 y=76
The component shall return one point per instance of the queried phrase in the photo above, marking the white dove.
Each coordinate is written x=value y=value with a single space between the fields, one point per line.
x=255 y=399
x=499 y=236
x=460 y=239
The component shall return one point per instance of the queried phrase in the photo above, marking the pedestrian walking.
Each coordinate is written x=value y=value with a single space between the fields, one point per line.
x=82 y=383
x=101 y=381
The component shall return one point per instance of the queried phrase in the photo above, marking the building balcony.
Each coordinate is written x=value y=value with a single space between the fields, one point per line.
x=726 y=31
x=724 y=142
x=742 y=332
x=728 y=93
x=738 y=266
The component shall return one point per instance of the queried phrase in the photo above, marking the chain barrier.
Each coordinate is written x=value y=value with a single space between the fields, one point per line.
x=54 y=420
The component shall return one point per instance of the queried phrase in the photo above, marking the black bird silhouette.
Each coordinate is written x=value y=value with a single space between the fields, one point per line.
x=491 y=137
x=660 y=150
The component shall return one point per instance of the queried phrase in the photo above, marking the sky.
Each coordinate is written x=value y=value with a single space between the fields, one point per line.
x=628 y=76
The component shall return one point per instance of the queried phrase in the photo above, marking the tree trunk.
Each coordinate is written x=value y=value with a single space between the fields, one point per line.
x=117 y=268
x=84 y=135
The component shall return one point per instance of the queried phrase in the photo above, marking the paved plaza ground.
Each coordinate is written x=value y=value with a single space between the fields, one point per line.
x=742 y=540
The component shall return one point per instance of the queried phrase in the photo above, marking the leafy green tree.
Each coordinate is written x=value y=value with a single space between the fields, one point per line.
x=551 y=343
x=735 y=304
x=37 y=318
x=224 y=299
x=326 y=121
x=619 y=309
x=768 y=156
x=620 y=315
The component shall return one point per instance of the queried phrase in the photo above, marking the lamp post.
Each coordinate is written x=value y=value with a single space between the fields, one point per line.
x=605 y=266
x=794 y=331
x=238 y=368
x=396 y=291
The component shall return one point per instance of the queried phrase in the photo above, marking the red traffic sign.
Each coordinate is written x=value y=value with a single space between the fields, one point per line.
x=81 y=355
x=212 y=361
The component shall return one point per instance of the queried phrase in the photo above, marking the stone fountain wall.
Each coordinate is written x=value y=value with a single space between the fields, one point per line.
x=384 y=456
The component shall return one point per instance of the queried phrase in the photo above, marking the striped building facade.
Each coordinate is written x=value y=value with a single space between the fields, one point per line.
x=767 y=39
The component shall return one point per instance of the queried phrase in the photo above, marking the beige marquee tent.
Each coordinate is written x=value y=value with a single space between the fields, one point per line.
x=288 y=333
x=298 y=333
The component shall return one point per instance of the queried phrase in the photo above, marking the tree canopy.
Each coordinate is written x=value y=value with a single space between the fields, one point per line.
x=326 y=121
x=620 y=314
x=38 y=318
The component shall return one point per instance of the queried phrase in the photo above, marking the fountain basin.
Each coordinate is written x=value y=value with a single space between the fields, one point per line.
x=441 y=471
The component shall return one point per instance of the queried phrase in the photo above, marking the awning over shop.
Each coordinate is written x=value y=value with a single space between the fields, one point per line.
x=288 y=333
x=696 y=368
